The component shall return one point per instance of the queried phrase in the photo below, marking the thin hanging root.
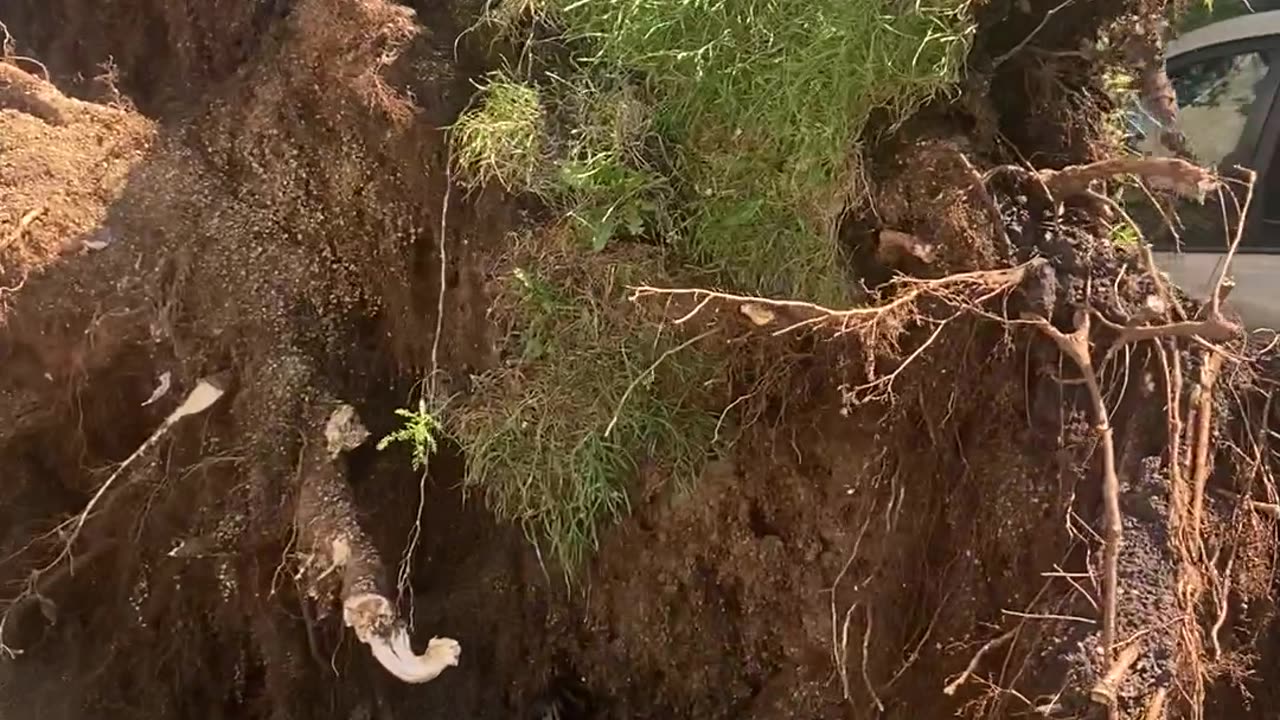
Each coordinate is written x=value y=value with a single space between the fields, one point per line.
x=349 y=564
x=1104 y=692
x=992 y=644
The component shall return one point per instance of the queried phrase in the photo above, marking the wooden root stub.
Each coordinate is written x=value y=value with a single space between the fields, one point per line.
x=1106 y=690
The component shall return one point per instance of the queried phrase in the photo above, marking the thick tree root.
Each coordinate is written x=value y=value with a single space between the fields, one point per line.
x=342 y=560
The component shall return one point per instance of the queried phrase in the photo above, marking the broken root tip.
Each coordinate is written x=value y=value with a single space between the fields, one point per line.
x=372 y=617
x=396 y=655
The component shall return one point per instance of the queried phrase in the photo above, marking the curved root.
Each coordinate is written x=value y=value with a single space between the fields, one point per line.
x=373 y=619
x=344 y=562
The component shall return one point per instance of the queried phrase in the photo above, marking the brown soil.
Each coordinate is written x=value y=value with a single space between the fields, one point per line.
x=256 y=189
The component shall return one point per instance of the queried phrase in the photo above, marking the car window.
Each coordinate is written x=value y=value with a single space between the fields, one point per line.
x=1216 y=96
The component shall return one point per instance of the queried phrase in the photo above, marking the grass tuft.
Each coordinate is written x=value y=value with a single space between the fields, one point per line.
x=758 y=108
x=767 y=101
x=587 y=161
x=539 y=433
x=728 y=132
x=503 y=138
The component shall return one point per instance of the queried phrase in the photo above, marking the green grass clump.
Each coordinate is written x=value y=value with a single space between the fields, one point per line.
x=604 y=180
x=767 y=101
x=588 y=164
x=553 y=440
x=730 y=132
x=758 y=108
x=503 y=138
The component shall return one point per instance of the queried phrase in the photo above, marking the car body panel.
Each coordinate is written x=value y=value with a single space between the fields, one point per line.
x=1256 y=295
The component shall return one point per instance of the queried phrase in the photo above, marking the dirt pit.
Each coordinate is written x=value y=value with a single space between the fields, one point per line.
x=252 y=195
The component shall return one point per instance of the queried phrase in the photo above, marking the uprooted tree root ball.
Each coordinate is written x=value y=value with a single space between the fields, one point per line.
x=322 y=366
x=1146 y=588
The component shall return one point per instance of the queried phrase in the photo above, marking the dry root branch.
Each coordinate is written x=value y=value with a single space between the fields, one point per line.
x=9 y=53
x=1078 y=347
x=992 y=644
x=206 y=393
x=1169 y=174
x=24 y=222
x=1092 y=336
x=1104 y=692
x=876 y=325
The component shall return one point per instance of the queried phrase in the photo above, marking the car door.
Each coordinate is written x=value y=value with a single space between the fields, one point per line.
x=1225 y=96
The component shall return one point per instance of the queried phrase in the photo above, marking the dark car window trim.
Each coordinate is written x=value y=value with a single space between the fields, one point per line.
x=1251 y=135
x=1256 y=239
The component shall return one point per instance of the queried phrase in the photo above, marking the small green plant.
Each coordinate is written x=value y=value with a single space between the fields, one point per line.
x=613 y=199
x=420 y=430
x=1122 y=233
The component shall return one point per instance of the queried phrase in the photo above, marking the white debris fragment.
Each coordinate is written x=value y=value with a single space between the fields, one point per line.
x=344 y=431
x=99 y=240
x=162 y=388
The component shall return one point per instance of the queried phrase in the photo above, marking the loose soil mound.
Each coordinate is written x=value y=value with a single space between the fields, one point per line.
x=271 y=216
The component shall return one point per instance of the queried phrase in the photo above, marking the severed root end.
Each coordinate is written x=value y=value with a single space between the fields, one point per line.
x=1107 y=690
x=344 y=431
x=374 y=621
x=895 y=246
x=398 y=658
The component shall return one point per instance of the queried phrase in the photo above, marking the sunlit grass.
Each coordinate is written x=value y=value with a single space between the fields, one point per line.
x=553 y=439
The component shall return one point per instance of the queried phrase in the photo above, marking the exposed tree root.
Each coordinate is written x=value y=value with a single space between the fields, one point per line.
x=1044 y=290
x=28 y=94
x=992 y=644
x=343 y=563
x=23 y=223
x=1104 y=693
x=201 y=398
x=1093 y=341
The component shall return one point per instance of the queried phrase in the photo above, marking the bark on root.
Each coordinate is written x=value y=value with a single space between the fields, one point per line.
x=343 y=561
x=26 y=93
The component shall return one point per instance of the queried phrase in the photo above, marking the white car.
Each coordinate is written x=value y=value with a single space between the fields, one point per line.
x=1225 y=76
